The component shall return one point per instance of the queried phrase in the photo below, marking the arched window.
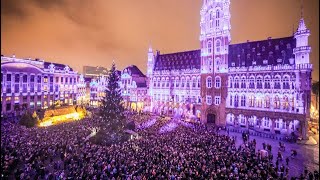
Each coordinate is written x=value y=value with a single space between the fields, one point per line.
x=158 y=82
x=285 y=82
x=209 y=82
x=236 y=100
x=188 y=82
x=259 y=83
x=154 y=83
x=243 y=100
x=167 y=82
x=286 y=103
x=251 y=101
x=266 y=83
x=209 y=47
x=243 y=82
x=182 y=82
x=259 y=102
x=218 y=46
x=277 y=83
x=236 y=82
x=194 y=82
x=251 y=83
x=277 y=102
x=217 y=19
x=177 y=82
x=230 y=82
x=217 y=82
x=267 y=102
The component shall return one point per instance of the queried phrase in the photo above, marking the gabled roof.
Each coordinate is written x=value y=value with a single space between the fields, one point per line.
x=244 y=54
x=178 y=60
x=134 y=70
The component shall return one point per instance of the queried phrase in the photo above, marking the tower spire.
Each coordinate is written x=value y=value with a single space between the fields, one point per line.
x=301 y=8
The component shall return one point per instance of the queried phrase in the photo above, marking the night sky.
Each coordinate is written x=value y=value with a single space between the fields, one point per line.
x=95 y=32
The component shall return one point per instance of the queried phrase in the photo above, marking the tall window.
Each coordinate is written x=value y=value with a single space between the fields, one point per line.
x=198 y=81
x=218 y=44
x=277 y=102
x=158 y=82
x=236 y=82
x=194 y=82
x=243 y=82
x=230 y=100
x=259 y=102
x=217 y=100
x=277 y=83
x=209 y=82
x=217 y=19
x=182 y=82
x=267 y=83
x=259 y=83
x=188 y=83
x=292 y=103
x=267 y=102
x=230 y=82
x=251 y=101
x=243 y=100
x=177 y=82
x=286 y=103
x=154 y=83
x=286 y=83
x=209 y=100
x=209 y=47
x=251 y=83
x=236 y=100
x=167 y=82
x=217 y=82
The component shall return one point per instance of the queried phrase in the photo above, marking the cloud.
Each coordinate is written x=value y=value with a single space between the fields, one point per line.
x=80 y=12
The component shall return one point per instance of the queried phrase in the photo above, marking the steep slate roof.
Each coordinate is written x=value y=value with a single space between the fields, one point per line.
x=178 y=61
x=134 y=70
x=244 y=54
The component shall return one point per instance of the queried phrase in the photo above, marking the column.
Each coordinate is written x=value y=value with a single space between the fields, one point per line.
x=288 y=127
x=272 y=126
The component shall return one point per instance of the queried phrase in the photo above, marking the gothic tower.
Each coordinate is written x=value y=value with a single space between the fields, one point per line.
x=214 y=39
x=303 y=73
x=150 y=74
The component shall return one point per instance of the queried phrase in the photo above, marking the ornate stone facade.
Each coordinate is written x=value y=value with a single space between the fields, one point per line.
x=263 y=85
x=35 y=84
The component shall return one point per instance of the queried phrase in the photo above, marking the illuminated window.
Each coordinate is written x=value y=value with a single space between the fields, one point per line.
x=267 y=102
x=209 y=47
x=217 y=82
x=243 y=100
x=16 y=98
x=8 y=98
x=45 y=79
x=217 y=100
x=286 y=103
x=209 y=82
x=277 y=102
x=209 y=100
x=259 y=102
x=251 y=101
x=236 y=100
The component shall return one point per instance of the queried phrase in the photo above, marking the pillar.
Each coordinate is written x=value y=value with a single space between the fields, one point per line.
x=272 y=126
x=288 y=127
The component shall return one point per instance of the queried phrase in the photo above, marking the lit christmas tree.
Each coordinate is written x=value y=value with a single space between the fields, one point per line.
x=111 y=108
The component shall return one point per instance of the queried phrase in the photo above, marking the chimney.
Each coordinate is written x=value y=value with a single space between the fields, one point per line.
x=13 y=55
x=269 y=38
x=248 y=41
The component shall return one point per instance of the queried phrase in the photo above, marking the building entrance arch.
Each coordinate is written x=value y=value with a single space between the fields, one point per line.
x=211 y=118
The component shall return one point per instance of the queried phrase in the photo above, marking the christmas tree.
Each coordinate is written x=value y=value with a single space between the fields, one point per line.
x=111 y=108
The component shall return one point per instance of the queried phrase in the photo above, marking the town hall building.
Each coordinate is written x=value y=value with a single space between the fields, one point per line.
x=262 y=85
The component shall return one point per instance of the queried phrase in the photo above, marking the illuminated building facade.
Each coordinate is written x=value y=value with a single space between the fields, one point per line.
x=134 y=88
x=262 y=85
x=35 y=84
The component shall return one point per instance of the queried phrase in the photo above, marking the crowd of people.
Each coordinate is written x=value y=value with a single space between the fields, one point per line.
x=188 y=152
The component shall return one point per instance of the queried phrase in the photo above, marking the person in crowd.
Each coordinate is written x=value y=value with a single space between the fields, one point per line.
x=188 y=152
